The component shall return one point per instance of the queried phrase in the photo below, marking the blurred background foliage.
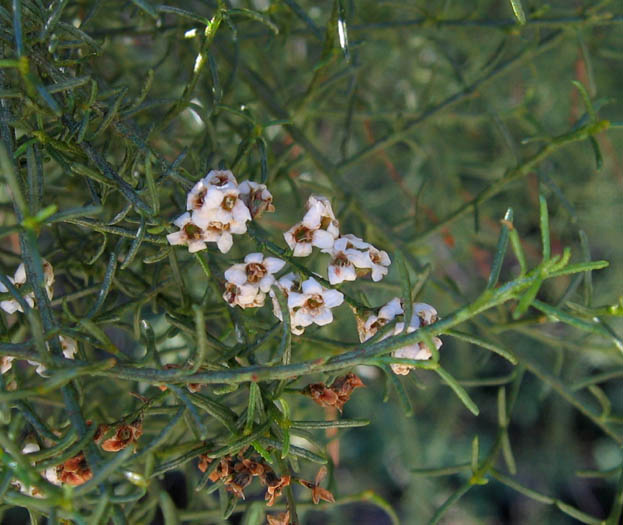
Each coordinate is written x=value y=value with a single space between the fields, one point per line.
x=401 y=112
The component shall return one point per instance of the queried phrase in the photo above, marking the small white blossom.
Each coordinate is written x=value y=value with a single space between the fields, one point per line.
x=319 y=228
x=69 y=348
x=245 y=296
x=349 y=254
x=256 y=270
x=422 y=315
x=189 y=234
x=287 y=284
x=11 y=306
x=6 y=362
x=257 y=198
x=313 y=305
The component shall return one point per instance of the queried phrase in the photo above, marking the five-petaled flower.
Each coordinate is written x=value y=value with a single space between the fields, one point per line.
x=318 y=228
x=351 y=256
x=318 y=493
x=257 y=198
x=248 y=282
x=312 y=305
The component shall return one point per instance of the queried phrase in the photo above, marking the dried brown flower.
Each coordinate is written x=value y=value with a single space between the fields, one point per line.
x=75 y=471
x=124 y=435
x=275 y=485
x=204 y=461
x=335 y=395
x=318 y=493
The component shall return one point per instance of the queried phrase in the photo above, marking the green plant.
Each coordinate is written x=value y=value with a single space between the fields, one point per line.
x=111 y=113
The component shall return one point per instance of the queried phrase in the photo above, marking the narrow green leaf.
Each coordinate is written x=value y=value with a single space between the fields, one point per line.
x=544 y=224
x=509 y=482
x=577 y=514
x=458 y=390
x=145 y=6
x=518 y=11
x=254 y=15
x=504 y=352
x=403 y=397
x=500 y=250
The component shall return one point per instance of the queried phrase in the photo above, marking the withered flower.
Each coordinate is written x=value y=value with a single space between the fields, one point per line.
x=124 y=435
x=204 y=461
x=75 y=471
x=318 y=493
x=335 y=395
x=275 y=485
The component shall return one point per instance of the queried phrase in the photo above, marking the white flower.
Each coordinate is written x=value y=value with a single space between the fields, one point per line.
x=222 y=205
x=245 y=296
x=313 y=305
x=422 y=315
x=6 y=362
x=257 y=198
x=319 y=228
x=69 y=348
x=190 y=234
x=349 y=254
x=256 y=270
x=11 y=306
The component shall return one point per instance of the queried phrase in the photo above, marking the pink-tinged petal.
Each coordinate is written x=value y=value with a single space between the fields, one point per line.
x=401 y=370
x=302 y=249
x=296 y=299
x=182 y=220
x=225 y=242
x=311 y=286
x=177 y=238
x=10 y=306
x=254 y=258
x=196 y=246
x=385 y=260
x=6 y=362
x=214 y=175
x=333 y=229
x=333 y=298
x=322 y=239
x=3 y=289
x=312 y=218
x=423 y=354
x=297 y=330
x=221 y=215
x=266 y=282
x=335 y=274
x=273 y=265
x=323 y=317
x=236 y=274
x=426 y=312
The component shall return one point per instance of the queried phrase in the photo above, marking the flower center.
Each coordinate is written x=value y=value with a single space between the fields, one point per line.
x=220 y=180
x=192 y=231
x=255 y=272
x=125 y=433
x=228 y=202
x=303 y=234
x=314 y=302
x=231 y=292
x=217 y=226
x=341 y=260
x=375 y=257
x=325 y=222
x=198 y=200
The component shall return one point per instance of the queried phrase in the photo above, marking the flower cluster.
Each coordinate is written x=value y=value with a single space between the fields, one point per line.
x=308 y=302
x=69 y=346
x=335 y=395
x=422 y=315
x=237 y=473
x=49 y=474
x=351 y=256
x=249 y=282
x=217 y=208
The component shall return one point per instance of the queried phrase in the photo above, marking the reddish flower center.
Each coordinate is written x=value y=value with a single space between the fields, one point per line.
x=198 y=199
x=228 y=202
x=220 y=180
x=255 y=272
x=314 y=302
x=341 y=260
x=375 y=257
x=303 y=234
x=192 y=231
